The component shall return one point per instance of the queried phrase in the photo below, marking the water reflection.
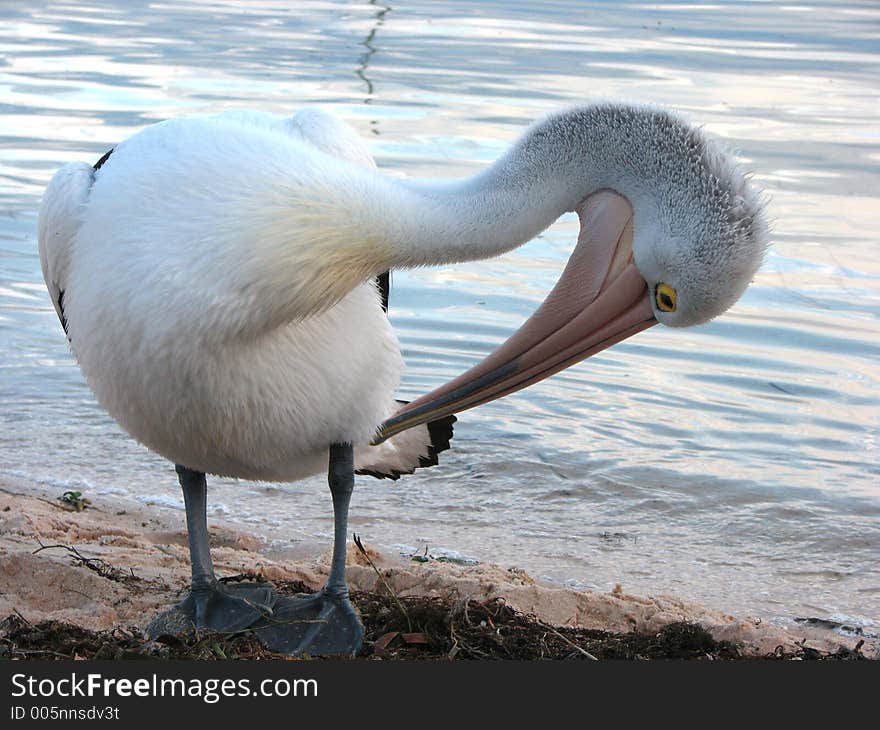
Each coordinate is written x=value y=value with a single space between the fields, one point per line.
x=369 y=44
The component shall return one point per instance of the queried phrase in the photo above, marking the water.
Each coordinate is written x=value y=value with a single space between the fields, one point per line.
x=735 y=464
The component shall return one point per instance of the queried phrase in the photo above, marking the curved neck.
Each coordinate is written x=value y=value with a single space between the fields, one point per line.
x=445 y=221
x=338 y=225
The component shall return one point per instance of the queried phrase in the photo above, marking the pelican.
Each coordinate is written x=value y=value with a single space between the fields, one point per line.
x=222 y=283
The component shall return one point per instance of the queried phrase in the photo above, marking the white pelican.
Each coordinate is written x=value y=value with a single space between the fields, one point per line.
x=216 y=277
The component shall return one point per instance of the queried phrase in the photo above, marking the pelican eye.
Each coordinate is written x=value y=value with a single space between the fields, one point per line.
x=666 y=297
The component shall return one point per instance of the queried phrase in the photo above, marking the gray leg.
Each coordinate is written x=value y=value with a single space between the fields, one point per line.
x=195 y=497
x=340 y=475
x=209 y=605
x=324 y=623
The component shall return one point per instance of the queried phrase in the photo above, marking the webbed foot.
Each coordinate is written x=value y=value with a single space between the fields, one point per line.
x=220 y=607
x=321 y=624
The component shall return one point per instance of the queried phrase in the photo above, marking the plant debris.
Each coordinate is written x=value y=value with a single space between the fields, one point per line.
x=826 y=623
x=398 y=628
x=99 y=566
x=74 y=500
x=427 y=557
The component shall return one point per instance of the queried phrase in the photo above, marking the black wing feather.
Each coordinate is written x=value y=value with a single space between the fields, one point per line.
x=383 y=281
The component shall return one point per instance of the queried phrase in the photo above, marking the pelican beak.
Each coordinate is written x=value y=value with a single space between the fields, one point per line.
x=600 y=300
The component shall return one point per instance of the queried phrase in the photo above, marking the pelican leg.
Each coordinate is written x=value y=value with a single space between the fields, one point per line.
x=324 y=623
x=209 y=604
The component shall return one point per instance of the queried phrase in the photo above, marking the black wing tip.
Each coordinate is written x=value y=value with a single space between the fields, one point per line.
x=106 y=156
x=383 y=281
x=440 y=432
x=61 y=315
x=393 y=475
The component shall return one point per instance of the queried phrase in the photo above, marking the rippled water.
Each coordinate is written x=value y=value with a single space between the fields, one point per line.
x=735 y=463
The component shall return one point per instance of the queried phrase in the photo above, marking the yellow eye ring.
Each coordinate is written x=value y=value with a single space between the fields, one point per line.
x=666 y=298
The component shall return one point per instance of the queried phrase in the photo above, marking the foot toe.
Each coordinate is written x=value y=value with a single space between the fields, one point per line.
x=225 y=608
x=319 y=625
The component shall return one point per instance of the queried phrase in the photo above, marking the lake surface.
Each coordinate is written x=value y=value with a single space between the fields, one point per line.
x=735 y=463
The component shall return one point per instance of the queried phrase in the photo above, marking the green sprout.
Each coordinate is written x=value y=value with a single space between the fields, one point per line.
x=74 y=500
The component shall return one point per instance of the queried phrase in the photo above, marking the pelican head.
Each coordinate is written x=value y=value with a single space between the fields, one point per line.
x=698 y=229
x=671 y=231
x=707 y=237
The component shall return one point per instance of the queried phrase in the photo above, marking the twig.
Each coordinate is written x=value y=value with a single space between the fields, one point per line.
x=18 y=613
x=166 y=550
x=363 y=551
x=29 y=652
x=54 y=504
x=571 y=643
x=99 y=566
x=74 y=590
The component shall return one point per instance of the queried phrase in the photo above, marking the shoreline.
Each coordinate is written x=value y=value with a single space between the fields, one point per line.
x=118 y=563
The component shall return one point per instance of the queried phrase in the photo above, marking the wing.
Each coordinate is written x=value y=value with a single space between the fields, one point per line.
x=59 y=220
x=334 y=137
x=417 y=447
x=330 y=135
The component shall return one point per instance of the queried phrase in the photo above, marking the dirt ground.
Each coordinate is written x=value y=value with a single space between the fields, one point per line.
x=409 y=628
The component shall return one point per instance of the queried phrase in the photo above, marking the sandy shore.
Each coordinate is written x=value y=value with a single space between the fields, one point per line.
x=42 y=578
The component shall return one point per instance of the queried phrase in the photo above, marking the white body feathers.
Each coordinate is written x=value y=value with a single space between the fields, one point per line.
x=172 y=342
